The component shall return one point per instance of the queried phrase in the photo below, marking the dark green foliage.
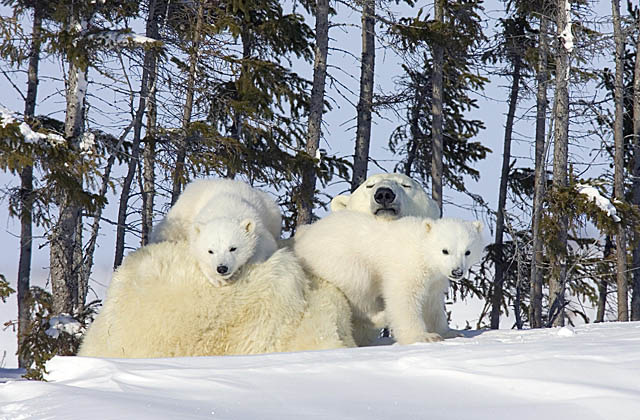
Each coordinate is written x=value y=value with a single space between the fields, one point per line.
x=5 y=288
x=43 y=340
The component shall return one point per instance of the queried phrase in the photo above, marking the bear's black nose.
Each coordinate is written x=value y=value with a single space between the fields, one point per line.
x=222 y=269
x=384 y=196
x=456 y=273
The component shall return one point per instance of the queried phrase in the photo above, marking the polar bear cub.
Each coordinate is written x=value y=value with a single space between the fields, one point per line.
x=409 y=267
x=207 y=199
x=223 y=245
x=388 y=196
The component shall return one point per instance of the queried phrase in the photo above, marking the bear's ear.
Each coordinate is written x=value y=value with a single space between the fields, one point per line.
x=478 y=225
x=248 y=225
x=339 y=202
x=428 y=224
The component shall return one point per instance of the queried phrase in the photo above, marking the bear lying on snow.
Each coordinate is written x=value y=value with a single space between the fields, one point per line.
x=159 y=304
x=393 y=273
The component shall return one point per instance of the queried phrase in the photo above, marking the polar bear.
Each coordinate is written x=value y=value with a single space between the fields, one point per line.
x=205 y=199
x=223 y=245
x=388 y=196
x=159 y=304
x=407 y=263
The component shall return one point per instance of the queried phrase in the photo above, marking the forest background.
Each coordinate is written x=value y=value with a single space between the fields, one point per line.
x=135 y=99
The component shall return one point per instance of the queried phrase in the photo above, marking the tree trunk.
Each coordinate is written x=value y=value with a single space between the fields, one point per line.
x=179 y=171
x=146 y=87
x=26 y=190
x=305 y=209
x=496 y=298
x=540 y=181
x=157 y=11
x=365 y=103
x=558 y=257
x=618 y=183
x=436 y=111
x=64 y=248
x=635 y=296
x=604 y=283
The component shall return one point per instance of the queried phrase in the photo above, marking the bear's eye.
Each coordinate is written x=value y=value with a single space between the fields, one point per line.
x=369 y=186
x=467 y=253
x=445 y=251
x=210 y=252
x=406 y=186
x=232 y=249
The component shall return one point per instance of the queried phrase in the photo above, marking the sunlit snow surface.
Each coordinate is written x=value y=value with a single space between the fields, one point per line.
x=587 y=372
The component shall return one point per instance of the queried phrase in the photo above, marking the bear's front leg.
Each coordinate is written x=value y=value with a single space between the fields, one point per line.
x=434 y=313
x=403 y=303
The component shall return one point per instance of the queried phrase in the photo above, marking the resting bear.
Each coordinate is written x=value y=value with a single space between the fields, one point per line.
x=406 y=263
x=159 y=304
x=223 y=245
x=388 y=196
x=206 y=199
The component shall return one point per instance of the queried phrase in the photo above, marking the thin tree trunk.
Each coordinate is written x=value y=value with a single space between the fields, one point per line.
x=603 y=284
x=635 y=296
x=618 y=183
x=147 y=79
x=540 y=180
x=437 y=137
x=496 y=298
x=26 y=190
x=365 y=103
x=158 y=11
x=64 y=248
x=305 y=210
x=179 y=171
x=558 y=257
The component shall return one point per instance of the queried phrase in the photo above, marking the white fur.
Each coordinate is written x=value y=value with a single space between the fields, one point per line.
x=410 y=198
x=221 y=246
x=159 y=304
x=393 y=272
x=206 y=199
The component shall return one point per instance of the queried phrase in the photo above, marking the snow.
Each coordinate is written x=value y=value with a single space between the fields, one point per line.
x=114 y=38
x=603 y=203
x=591 y=373
x=65 y=323
x=566 y=36
x=87 y=143
x=6 y=117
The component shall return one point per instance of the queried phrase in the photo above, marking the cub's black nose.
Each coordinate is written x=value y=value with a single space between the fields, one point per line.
x=384 y=196
x=457 y=273
x=222 y=269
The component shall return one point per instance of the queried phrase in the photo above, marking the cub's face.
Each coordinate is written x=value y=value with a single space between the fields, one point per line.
x=452 y=246
x=222 y=246
x=388 y=196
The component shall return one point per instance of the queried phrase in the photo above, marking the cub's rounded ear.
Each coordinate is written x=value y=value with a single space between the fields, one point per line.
x=478 y=225
x=339 y=202
x=248 y=225
x=428 y=225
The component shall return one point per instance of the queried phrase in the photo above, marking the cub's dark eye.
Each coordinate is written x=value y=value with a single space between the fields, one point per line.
x=467 y=253
x=210 y=252
x=232 y=249
x=445 y=251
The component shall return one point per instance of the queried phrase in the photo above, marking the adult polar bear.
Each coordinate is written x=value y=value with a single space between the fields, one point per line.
x=388 y=196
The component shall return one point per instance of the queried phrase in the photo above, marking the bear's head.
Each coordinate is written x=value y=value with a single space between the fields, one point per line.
x=388 y=196
x=222 y=246
x=452 y=246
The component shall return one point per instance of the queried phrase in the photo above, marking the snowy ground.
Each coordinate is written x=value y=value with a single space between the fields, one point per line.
x=592 y=372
